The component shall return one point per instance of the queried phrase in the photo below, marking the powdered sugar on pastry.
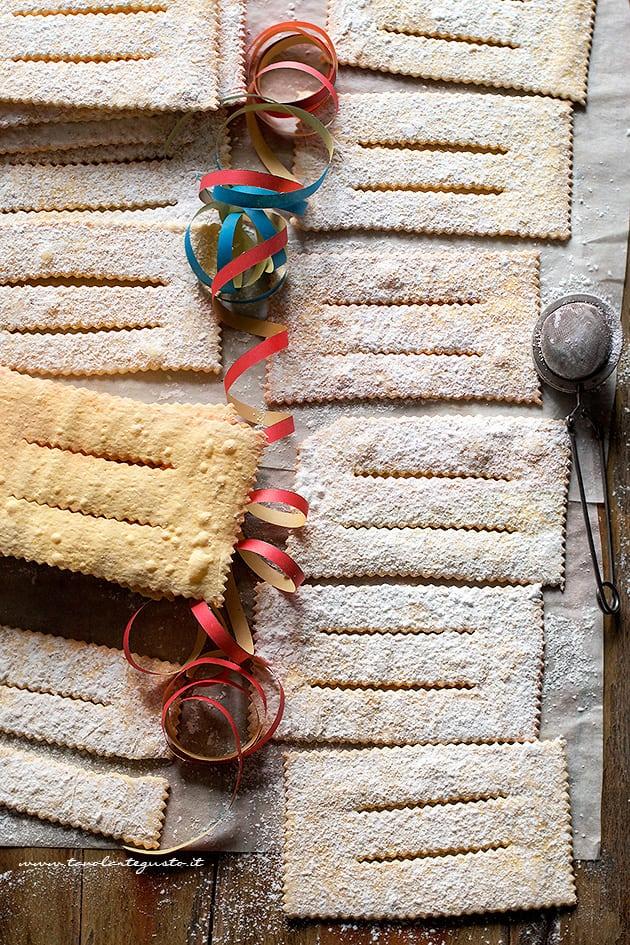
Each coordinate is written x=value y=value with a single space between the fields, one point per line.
x=444 y=162
x=404 y=664
x=435 y=830
x=469 y=498
x=101 y=131
x=148 y=495
x=142 y=180
x=231 y=65
x=407 y=325
x=127 y=301
x=90 y=53
x=538 y=46
x=79 y=695
x=129 y=809
x=15 y=114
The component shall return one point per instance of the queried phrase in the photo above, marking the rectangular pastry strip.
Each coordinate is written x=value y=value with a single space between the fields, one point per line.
x=404 y=664
x=16 y=114
x=121 y=165
x=150 y=496
x=421 y=325
x=230 y=76
x=445 y=162
x=468 y=498
x=79 y=695
x=401 y=833
x=128 y=809
x=37 y=142
x=92 y=298
x=539 y=46
x=97 y=53
x=61 y=142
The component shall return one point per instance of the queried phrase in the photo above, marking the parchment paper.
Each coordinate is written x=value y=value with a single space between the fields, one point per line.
x=593 y=260
x=573 y=681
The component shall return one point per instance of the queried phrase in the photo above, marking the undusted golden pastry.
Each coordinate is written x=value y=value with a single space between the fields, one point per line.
x=148 y=495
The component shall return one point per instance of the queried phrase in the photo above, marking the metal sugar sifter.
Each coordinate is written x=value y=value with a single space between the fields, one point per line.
x=576 y=346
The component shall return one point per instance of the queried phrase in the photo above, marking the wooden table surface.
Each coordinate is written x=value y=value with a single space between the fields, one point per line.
x=72 y=897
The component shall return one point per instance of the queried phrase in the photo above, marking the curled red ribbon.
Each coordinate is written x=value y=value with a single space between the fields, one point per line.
x=264 y=199
x=203 y=672
x=276 y=423
x=260 y=499
x=266 y=55
x=271 y=564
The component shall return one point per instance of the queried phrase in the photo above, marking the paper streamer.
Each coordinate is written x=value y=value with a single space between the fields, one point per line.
x=253 y=208
x=260 y=499
x=222 y=667
x=251 y=260
x=267 y=53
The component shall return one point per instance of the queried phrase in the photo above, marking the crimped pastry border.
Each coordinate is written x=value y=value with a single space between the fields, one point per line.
x=274 y=397
x=546 y=89
x=566 y=827
x=307 y=741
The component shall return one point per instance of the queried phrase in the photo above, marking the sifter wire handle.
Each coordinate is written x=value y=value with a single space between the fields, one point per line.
x=607 y=593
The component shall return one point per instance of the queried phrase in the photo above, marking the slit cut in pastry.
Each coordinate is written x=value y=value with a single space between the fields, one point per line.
x=405 y=664
x=539 y=46
x=419 y=325
x=17 y=114
x=78 y=695
x=150 y=496
x=110 y=166
x=112 y=804
x=168 y=55
x=81 y=298
x=137 y=136
x=401 y=833
x=445 y=162
x=468 y=498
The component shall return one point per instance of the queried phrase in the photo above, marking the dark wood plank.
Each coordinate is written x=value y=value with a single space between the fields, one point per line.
x=40 y=896
x=92 y=897
x=613 y=902
x=160 y=905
